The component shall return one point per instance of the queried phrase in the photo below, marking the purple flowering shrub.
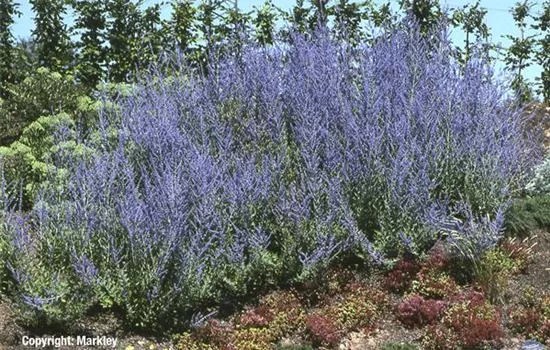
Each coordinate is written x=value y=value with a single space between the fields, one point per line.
x=266 y=169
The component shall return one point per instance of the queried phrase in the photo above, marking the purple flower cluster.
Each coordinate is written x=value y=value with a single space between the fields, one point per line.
x=283 y=151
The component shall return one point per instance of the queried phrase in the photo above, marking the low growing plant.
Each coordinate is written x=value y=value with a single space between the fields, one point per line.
x=357 y=308
x=213 y=333
x=529 y=297
x=323 y=331
x=491 y=270
x=284 y=313
x=186 y=341
x=532 y=319
x=400 y=278
x=528 y=214
x=469 y=322
x=415 y=311
x=434 y=285
x=250 y=339
x=337 y=279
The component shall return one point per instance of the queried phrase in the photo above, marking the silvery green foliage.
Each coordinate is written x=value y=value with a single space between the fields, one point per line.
x=540 y=183
x=266 y=169
x=470 y=237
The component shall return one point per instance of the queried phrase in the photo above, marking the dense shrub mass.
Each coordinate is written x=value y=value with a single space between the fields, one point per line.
x=528 y=214
x=56 y=114
x=42 y=93
x=203 y=188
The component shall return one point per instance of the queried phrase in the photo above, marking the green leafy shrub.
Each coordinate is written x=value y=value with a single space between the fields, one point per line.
x=53 y=111
x=40 y=94
x=528 y=214
x=29 y=159
x=43 y=114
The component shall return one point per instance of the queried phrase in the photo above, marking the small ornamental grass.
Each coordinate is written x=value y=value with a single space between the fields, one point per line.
x=206 y=188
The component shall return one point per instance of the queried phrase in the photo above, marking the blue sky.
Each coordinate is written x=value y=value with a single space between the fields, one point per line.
x=498 y=19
